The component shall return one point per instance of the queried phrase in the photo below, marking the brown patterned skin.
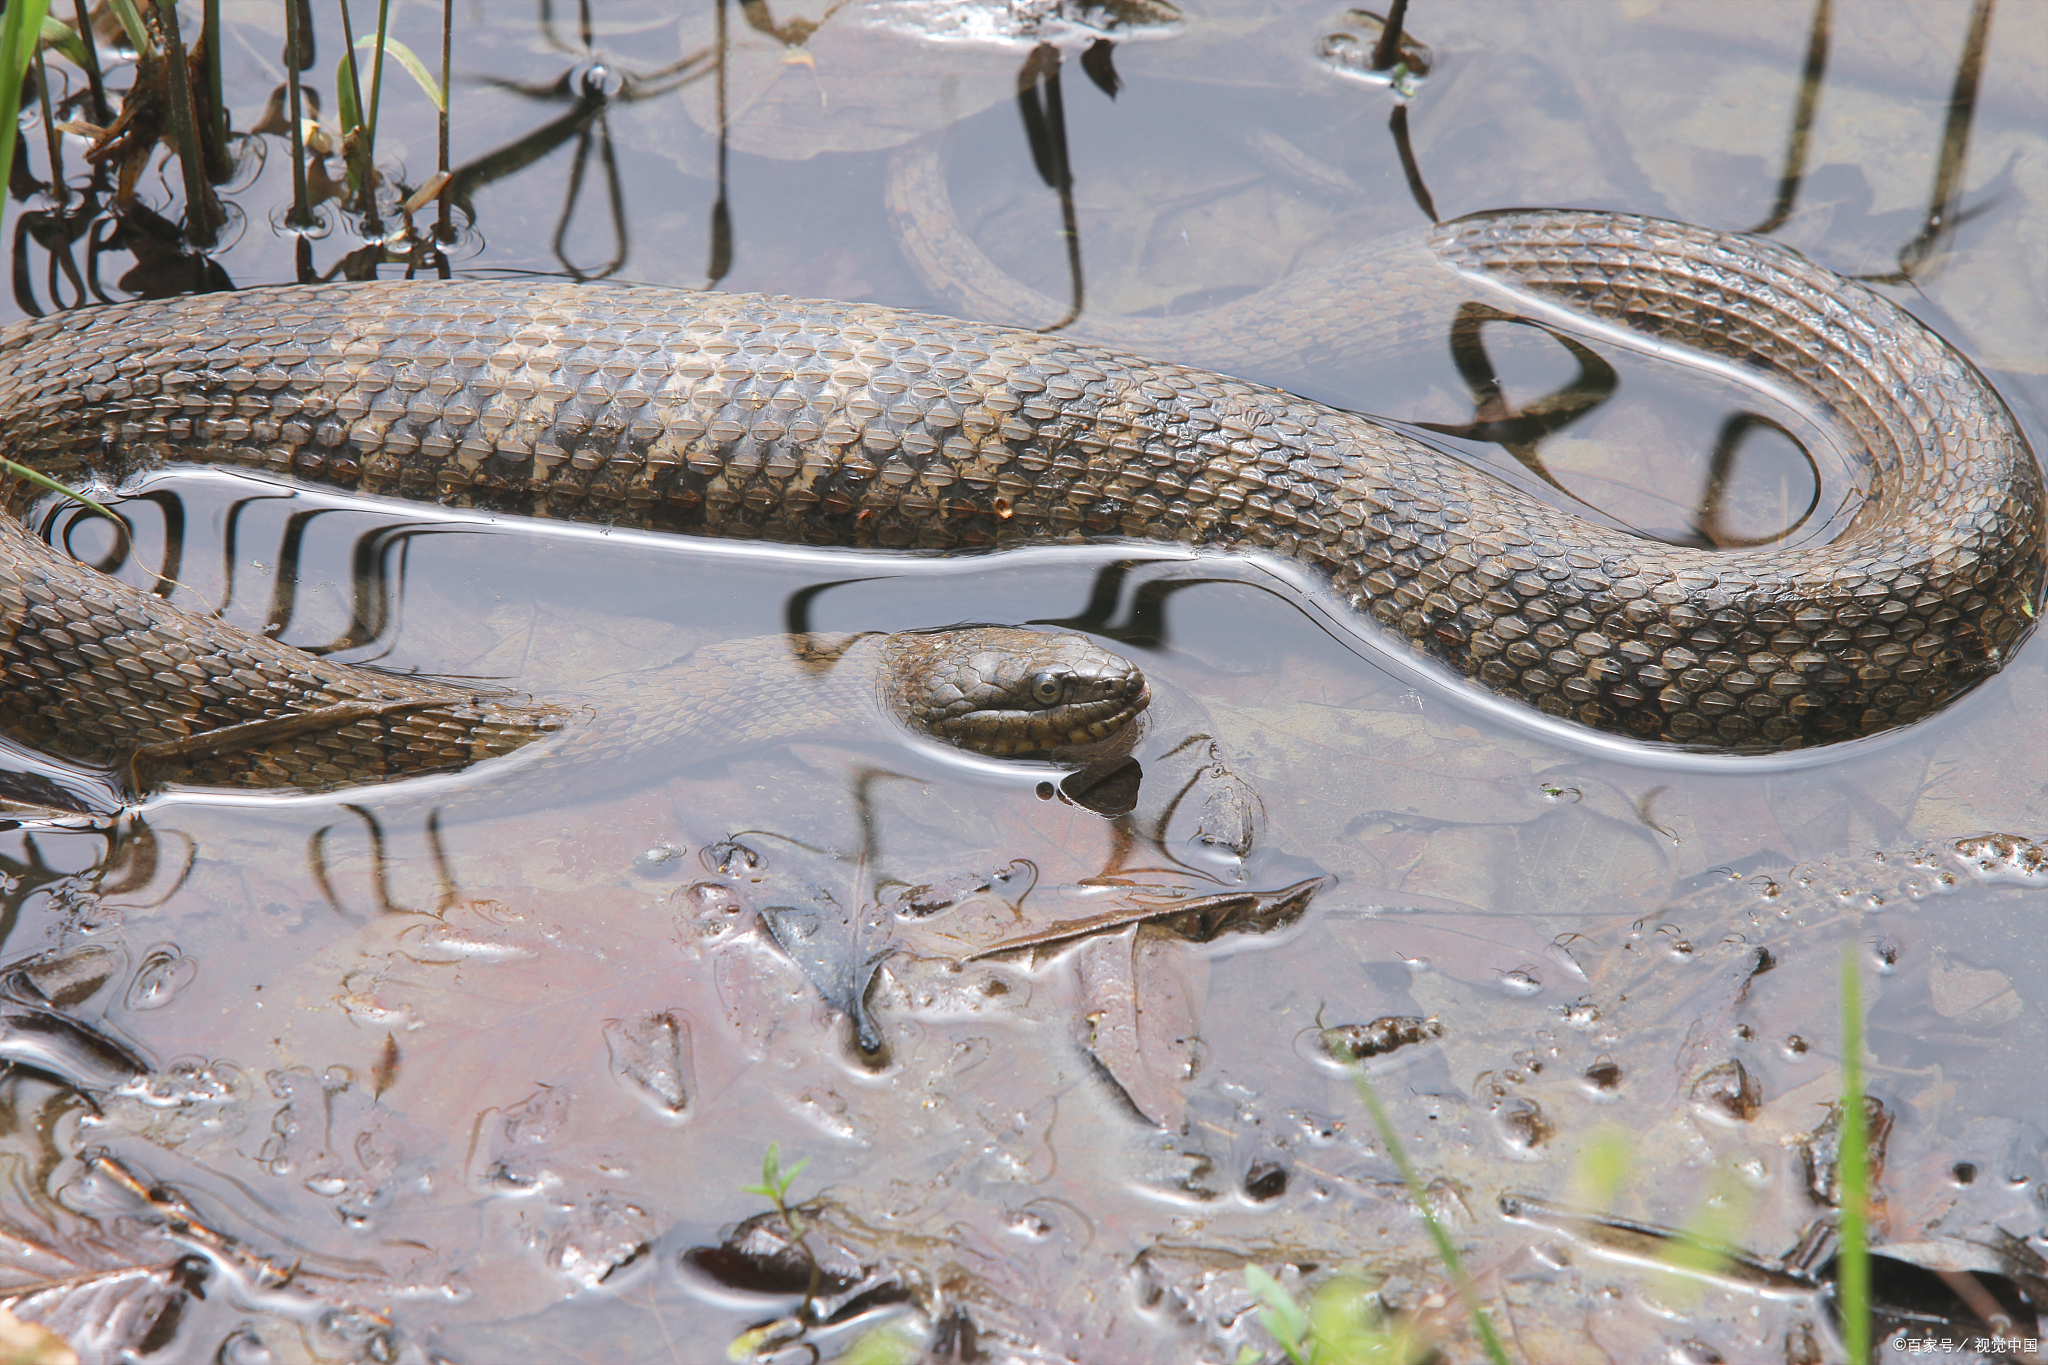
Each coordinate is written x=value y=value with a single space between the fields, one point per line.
x=853 y=425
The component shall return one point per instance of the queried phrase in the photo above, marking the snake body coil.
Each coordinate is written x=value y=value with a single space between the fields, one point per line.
x=849 y=425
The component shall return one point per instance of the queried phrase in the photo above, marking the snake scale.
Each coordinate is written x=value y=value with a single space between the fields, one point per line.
x=838 y=424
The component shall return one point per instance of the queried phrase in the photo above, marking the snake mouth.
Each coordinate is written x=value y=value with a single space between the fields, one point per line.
x=1075 y=729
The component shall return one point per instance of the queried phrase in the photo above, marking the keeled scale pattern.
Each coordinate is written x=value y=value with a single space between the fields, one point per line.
x=840 y=424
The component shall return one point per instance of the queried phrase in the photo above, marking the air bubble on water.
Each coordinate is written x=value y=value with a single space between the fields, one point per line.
x=164 y=972
x=1603 y=1077
x=1521 y=981
x=659 y=860
x=244 y=1347
x=1521 y=1123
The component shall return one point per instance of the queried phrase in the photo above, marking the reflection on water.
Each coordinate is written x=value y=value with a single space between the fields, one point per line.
x=400 y=1074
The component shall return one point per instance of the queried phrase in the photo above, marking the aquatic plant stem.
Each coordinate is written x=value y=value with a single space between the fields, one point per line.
x=1446 y=1252
x=721 y=212
x=210 y=27
x=53 y=141
x=444 y=226
x=102 y=112
x=1387 y=50
x=199 y=219
x=1852 y=1261
x=357 y=152
x=377 y=77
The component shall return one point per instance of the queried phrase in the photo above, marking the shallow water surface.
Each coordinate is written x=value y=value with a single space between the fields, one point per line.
x=424 y=1073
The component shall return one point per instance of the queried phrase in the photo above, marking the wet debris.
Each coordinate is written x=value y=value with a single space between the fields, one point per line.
x=835 y=949
x=1932 y=1295
x=1265 y=1181
x=2009 y=859
x=1063 y=23
x=28 y=1343
x=40 y=1027
x=384 y=1071
x=837 y=945
x=1949 y=1288
x=149 y=1276
x=1353 y=51
x=30 y=798
x=1355 y=1042
x=60 y=980
x=758 y=1256
x=1228 y=815
x=596 y=1238
x=650 y=1057
x=1603 y=1075
x=1008 y=885
x=1728 y=1091
x=1200 y=919
x=2018 y=1259
x=710 y=910
x=1821 y=1150
x=1518 y=1121
x=1649 y=1244
x=813 y=1279
x=1140 y=1016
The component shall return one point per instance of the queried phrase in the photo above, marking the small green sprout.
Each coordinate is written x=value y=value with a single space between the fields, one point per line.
x=772 y=1336
x=775 y=1185
x=1342 y=1325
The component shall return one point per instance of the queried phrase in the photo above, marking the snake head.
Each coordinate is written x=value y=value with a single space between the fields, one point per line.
x=1005 y=692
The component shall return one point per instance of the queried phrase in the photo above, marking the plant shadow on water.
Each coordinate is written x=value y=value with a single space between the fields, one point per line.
x=402 y=1075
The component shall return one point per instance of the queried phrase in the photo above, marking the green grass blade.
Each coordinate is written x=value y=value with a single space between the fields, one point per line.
x=1283 y=1318
x=1446 y=1252
x=21 y=28
x=62 y=39
x=22 y=471
x=132 y=25
x=410 y=60
x=1852 y=1262
x=346 y=109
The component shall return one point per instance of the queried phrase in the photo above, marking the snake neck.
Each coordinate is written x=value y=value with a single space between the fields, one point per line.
x=731 y=697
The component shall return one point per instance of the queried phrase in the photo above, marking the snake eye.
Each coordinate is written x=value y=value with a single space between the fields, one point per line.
x=1048 y=688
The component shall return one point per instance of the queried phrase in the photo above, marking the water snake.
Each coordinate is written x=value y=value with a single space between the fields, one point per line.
x=854 y=425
